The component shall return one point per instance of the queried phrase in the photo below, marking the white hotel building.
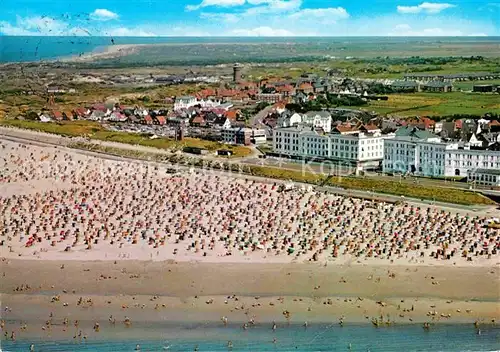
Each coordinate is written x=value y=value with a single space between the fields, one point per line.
x=185 y=102
x=365 y=150
x=423 y=154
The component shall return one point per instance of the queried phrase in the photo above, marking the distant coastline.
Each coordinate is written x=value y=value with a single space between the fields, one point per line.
x=107 y=52
x=45 y=48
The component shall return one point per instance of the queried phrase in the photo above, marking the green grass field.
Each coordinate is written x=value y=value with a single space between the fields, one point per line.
x=440 y=194
x=437 y=104
x=466 y=86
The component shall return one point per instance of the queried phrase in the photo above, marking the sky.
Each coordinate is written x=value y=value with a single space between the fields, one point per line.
x=250 y=17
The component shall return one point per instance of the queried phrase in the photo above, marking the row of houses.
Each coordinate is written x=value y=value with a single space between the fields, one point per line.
x=465 y=76
x=432 y=86
x=215 y=115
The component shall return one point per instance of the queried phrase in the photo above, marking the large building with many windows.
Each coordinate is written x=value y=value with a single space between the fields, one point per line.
x=485 y=177
x=361 y=149
x=421 y=153
x=414 y=151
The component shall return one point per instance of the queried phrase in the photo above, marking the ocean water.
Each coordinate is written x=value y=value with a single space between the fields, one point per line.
x=40 y=48
x=319 y=337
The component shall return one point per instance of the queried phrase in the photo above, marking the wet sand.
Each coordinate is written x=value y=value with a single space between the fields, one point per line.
x=84 y=239
x=108 y=52
x=203 y=292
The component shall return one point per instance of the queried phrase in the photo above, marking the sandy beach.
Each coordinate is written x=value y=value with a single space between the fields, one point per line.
x=94 y=240
x=109 y=52
x=204 y=292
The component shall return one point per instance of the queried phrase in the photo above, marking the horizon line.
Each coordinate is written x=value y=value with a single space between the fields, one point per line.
x=244 y=36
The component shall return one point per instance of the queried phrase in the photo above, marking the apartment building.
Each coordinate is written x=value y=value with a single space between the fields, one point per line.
x=365 y=150
x=422 y=153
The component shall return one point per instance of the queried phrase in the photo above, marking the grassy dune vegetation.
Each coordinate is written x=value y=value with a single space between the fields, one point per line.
x=14 y=103
x=96 y=131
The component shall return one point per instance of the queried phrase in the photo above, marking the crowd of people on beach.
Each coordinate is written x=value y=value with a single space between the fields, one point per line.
x=97 y=204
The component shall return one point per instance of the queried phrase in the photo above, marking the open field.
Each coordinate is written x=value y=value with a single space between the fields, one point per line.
x=226 y=50
x=14 y=103
x=206 y=50
x=469 y=84
x=437 y=104
x=379 y=68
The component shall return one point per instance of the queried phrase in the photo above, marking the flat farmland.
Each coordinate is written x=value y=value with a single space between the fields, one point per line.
x=434 y=104
x=469 y=84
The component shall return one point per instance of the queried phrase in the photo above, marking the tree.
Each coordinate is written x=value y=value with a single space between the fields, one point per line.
x=31 y=115
x=322 y=100
x=261 y=106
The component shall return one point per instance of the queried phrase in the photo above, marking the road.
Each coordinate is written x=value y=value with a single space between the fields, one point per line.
x=43 y=139
x=326 y=169
x=256 y=120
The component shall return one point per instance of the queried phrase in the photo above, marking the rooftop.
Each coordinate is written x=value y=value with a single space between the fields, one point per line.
x=437 y=84
x=414 y=133
x=486 y=171
x=405 y=84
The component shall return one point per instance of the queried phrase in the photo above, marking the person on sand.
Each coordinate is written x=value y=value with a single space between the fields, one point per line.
x=224 y=320
x=127 y=321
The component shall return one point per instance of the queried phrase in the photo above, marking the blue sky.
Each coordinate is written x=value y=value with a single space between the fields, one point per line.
x=250 y=17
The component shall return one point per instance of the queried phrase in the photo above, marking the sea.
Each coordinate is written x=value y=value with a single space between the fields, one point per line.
x=316 y=337
x=40 y=48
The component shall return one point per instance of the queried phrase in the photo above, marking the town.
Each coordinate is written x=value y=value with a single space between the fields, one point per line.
x=249 y=175
x=313 y=118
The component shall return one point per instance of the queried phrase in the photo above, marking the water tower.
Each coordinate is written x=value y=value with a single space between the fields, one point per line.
x=237 y=73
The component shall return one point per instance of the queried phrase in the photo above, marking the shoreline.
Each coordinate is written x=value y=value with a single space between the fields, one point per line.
x=191 y=265
x=159 y=293
x=191 y=331
x=103 y=52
